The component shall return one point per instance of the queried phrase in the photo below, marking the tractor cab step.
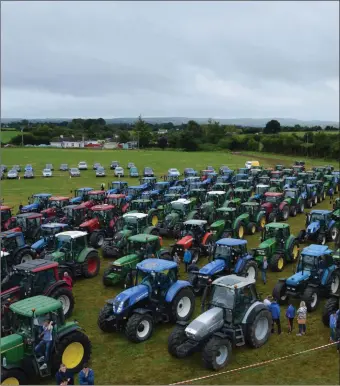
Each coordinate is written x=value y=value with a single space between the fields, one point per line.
x=239 y=336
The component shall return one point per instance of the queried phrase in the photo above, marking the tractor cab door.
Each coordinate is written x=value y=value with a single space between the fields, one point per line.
x=42 y=280
x=77 y=246
x=244 y=298
x=324 y=265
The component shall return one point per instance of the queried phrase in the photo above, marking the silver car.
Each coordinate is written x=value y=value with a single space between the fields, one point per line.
x=82 y=165
x=12 y=174
x=63 y=167
x=74 y=172
x=100 y=172
x=119 y=171
x=47 y=173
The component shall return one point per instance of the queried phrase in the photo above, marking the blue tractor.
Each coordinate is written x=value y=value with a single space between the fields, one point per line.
x=14 y=244
x=316 y=275
x=36 y=203
x=80 y=195
x=320 y=227
x=135 y=192
x=290 y=182
x=157 y=296
x=117 y=187
x=162 y=186
x=230 y=256
x=47 y=235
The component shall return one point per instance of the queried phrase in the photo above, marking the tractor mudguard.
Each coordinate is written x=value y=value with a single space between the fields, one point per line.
x=40 y=244
x=67 y=329
x=314 y=226
x=212 y=268
x=331 y=223
x=82 y=256
x=149 y=229
x=241 y=262
x=252 y=311
x=221 y=335
x=50 y=289
x=175 y=288
x=236 y=222
x=313 y=285
x=289 y=241
x=206 y=236
x=142 y=311
x=259 y=215
x=192 y=214
x=284 y=203
x=327 y=274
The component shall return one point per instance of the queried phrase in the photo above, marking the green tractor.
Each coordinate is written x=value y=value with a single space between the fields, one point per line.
x=295 y=200
x=276 y=185
x=242 y=194
x=144 y=205
x=198 y=194
x=278 y=245
x=253 y=218
x=20 y=364
x=139 y=247
x=331 y=181
x=223 y=226
x=320 y=190
x=279 y=167
x=214 y=199
x=131 y=224
x=223 y=186
x=287 y=172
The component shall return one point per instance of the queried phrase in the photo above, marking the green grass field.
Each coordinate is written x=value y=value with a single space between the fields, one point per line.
x=117 y=361
x=6 y=136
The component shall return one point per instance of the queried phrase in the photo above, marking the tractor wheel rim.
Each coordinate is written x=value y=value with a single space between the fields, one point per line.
x=100 y=240
x=302 y=207
x=280 y=263
x=263 y=222
x=285 y=214
x=335 y=285
x=184 y=307
x=26 y=258
x=295 y=252
x=261 y=328
x=10 y=381
x=334 y=234
x=92 y=265
x=222 y=355
x=314 y=300
x=315 y=200
x=73 y=355
x=251 y=273
x=323 y=240
x=65 y=301
x=143 y=329
x=194 y=259
x=154 y=220
x=240 y=232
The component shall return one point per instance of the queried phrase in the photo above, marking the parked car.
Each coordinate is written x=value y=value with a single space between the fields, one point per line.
x=100 y=172
x=63 y=167
x=96 y=165
x=49 y=166
x=28 y=167
x=148 y=172
x=190 y=172
x=3 y=168
x=17 y=168
x=114 y=164
x=134 y=172
x=47 y=173
x=173 y=172
x=119 y=171
x=82 y=165
x=28 y=174
x=130 y=165
x=2 y=175
x=74 y=172
x=12 y=174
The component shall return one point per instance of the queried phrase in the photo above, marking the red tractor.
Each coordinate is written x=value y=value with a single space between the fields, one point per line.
x=5 y=215
x=275 y=207
x=96 y=196
x=119 y=202
x=28 y=224
x=55 y=207
x=35 y=277
x=74 y=215
x=101 y=224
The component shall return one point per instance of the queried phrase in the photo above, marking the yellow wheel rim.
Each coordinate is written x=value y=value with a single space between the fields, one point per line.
x=253 y=229
x=154 y=220
x=241 y=232
x=280 y=263
x=295 y=252
x=73 y=355
x=10 y=381
x=263 y=222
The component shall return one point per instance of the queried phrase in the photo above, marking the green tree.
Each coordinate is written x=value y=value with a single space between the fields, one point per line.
x=188 y=141
x=272 y=127
x=143 y=132
x=162 y=142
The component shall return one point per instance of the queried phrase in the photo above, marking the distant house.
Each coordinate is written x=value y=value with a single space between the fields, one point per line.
x=67 y=143
x=162 y=131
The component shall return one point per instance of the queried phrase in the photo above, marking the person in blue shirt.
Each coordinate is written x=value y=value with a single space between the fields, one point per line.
x=86 y=376
x=187 y=259
x=264 y=268
x=63 y=376
x=46 y=343
x=332 y=325
x=275 y=311
x=290 y=315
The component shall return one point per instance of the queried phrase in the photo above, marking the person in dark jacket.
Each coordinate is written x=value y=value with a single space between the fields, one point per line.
x=64 y=376
x=86 y=376
x=275 y=311
x=290 y=315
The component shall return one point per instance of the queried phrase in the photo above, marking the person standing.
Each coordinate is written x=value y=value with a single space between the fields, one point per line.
x=20 y=207
x=332 y=325
x=64 y=376
x=102 y=187
x=331 y=192
x=86 y=376
x=68 y=280
x=187 y=259
x=46 y=342
x=302 y=318
x=267 y=302
x=177 y=260
x=275 y=311
x=264 y=270
x=290 y=315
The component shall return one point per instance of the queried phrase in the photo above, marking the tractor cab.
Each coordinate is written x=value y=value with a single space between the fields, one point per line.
x=222 y=179
x=318 y=219
x=36 y=203
x=153 y=195
x=195 y=228
x=5 y=215
x=229 y=250
x=169 y=197
x=97 y=196
x=135 y=222
x=252 y=208
x=29 y=223
x=303 y=177
x=80 y=195
x=243 y=171
x=290 y=182
x=287 y=172
x=298 y=169
x=299 y=163
x=222 y=226
x=177 y=189
x=142 y=205
x=216 y=196
x=12 y=243
x=240 y=177
x=171 y=178
x=331 y=181
x=162 y=186
x=182 y=205
x=329 y=169
x=198 y=195
x=144 y=245
x=244 y=184
x=336 y=205
x=208 y=174
x=273 y=197
x=260 y=191
x=119 y=201
x=116 y=187
x=255 y=173
x=222 y=186
x=104 y=213
x=276 y=175
x=55 y=206
x=265 y=180
x=242 y=194
x=278 y=231
x=74 y=215
x=149 y=181
x=47 y=234
x=276 y=185
x=279 y=167
x=136 y=191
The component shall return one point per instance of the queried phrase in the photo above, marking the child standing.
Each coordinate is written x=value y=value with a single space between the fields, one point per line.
x=332 y=325
x=302 y=318
x=290 y=315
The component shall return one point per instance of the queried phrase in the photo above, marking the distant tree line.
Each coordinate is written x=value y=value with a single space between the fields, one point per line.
x=190 y=136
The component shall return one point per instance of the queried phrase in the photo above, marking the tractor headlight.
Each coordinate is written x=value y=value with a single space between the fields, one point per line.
x=190 y=333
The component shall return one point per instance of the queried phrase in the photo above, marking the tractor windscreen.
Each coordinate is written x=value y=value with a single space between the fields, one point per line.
x=5 y=215
x=21 y=222
x=307 y=262
x=272 y=232
x=223 y=297
x=178 y=206
x=261 y=189
x=289 y=194
x=115 y=201
x=222 y=252
x=63 y=242
x=49 y=231
x=316 y=217
x=17 y=278
x=271 y=199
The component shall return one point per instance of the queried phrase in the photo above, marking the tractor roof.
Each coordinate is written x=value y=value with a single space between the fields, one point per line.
x=320 y=211
x=277 y=225
x=29 y=215
x=71 y=206
x=316 y=250
x=262 y=186
x=9 y=233
x=233 y=281
x=138 y=187
x=4 y=253
x=84 y=189
x=142 y=200
x=195 y=222
x=250 y=203
x=120 y=195
x=226 y=209
x=53 y=225
x=273 y=194
x=162 y=183
x=310 y=185
x=96 y=192
x=230 y=242
x=143 y=238
x=59 y=198
x=217 y=192
x=37 y=305
x=43 y=195
x=5 y=207
x=102 y=207
x=184 y=201
x=119 y=182
x=156 y=265
x=291 y=178
x=72 y=234
x=36 y=265
x=134 y=214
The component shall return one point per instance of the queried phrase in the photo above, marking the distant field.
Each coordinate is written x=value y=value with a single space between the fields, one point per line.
x=117 y=361
x=6 y=136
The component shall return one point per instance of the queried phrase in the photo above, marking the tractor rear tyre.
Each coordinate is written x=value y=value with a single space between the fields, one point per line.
x=280 y=293
x=193 y=279
x=240 y=230
x=277 y=262
x=321 y=239
x=250 y=270
x=285 y=213
x=176 y=338
x=330 y=306
x=335 y=282
x=102 y=322
x=139 y=327
x=315 y=200
x=183 y=305
x=107 y=282
x=272 y=218
x=91 y=265
x=23 y=256
x=251 y=228
x=333 y=233
x=261 y=223
x=293 y=251
x=73 y=349
x=309 y=204
x=293 y=211
x=301 y=207
x=258 y=332
x=13 y=377
x=107 y=250
x=311 y=298
x=66 y=298
x=216 y=353
x=97 y=239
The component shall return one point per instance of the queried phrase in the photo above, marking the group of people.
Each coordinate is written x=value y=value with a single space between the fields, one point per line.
x=186 y=259
x=65 y=377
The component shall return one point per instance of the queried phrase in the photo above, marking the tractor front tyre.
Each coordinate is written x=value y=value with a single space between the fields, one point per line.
x=280 y=293
x=301 y=207
x=311 y=298
x=285 y=213
x=106 y=281
x=251 y=228
x=240 y=230
x=272 y=218
x=102 y=322
x=277 y=263
x=107 y=250
x=335 y=282
x=193 y=279
x=262 y=223
x=139 y=327
x=216 y=353
x=73 y=350
x=176 y=338
x=321 y=239
x=13 y=377
x=183 y=305
x=258 y=331
x=250 y=270
x=293 y=211
x=332 y=305
x=23 y=256
x=91 y=265
x=66 y=298
x=97 y=239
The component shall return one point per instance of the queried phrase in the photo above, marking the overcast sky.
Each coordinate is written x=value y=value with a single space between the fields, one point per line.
x=189 y=59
